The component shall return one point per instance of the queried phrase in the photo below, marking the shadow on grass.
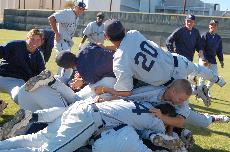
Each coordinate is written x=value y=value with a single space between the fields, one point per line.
x=209 y=110
x=207 y=132
x=224 y=102
x=197 y=148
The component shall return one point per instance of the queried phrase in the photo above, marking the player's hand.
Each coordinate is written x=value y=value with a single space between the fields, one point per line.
x=100 y=90
x=57 y=37
x=205 y=62
x=156 y=112
x=76 y=83
x=222 y=64
x=98 y=99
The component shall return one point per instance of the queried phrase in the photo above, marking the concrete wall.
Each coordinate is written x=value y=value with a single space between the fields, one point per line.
x=156 y=27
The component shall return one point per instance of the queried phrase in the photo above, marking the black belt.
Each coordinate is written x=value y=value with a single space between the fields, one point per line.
x=96 y=137
x=175 y=60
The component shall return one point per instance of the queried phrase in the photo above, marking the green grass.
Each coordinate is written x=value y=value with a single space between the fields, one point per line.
x=215 y=138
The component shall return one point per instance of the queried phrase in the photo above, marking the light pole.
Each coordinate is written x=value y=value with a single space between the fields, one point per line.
x=184 y=7
x=110 y=7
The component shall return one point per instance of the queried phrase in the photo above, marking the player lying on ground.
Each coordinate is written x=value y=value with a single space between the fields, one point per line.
x=78 y=123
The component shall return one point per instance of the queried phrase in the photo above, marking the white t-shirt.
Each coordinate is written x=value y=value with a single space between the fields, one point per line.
x=142 y=59
x=94 y=32
x=67 y=24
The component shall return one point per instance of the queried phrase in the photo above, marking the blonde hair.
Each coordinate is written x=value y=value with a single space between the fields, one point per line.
x=35 y=31
x=182 y=85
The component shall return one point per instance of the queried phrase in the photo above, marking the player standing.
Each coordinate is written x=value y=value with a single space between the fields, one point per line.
x=212 y=47
x=64 y=25
x=94 y=31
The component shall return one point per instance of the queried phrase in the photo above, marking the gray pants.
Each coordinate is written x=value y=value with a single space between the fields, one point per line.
x=11 y=86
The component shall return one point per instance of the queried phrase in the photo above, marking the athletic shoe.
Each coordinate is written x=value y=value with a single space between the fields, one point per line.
x=3 y=106
x=187 y=138
x=221 y=81
x=166 y=141
x=40 y=80
x=20 y=120
x=220 y=118
x=203 y=93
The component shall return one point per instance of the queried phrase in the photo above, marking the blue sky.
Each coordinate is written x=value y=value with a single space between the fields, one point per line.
x=224 y=4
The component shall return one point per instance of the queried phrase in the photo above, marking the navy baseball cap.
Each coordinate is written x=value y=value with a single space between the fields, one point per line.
x=113 y=27
x=213 y=22
x=190 y=17
x=79 y=4
x=100 y=15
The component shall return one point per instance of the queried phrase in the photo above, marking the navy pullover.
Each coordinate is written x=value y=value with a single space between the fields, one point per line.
x=47 y=46
x=93 y=63
x=19 y=62
x=186 y=42
x=212 y=44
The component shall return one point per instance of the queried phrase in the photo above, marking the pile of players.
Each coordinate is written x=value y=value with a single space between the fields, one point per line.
x=131 y=96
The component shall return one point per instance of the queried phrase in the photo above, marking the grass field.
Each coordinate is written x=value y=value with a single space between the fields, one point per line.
x=215 y=138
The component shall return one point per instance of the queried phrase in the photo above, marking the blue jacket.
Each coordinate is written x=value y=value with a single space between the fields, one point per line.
x=19 y=62
x=47 y=46
x=186 y=42
x=212 y=44
x=93 y=63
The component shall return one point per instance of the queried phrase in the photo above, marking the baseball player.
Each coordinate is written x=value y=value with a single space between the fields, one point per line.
x=212 y=47
x=64 y=24
x=94 y=31
x=48 y=44
x=149 y=63
x=20 y=60
x=78 y=123
x=187 y=39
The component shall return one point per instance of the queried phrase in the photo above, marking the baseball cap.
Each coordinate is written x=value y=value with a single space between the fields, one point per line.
x=113 y=27
x=213 y=22
x=190 y=17
x=100 y=15
x=79 y=4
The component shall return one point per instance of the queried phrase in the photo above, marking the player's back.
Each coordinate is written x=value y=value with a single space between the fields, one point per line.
x=144 y=59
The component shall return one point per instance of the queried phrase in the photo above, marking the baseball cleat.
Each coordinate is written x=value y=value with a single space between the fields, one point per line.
x=166 y=141
x=21 y=119
x=220 y=81
x=203 y=93
x=187 y=138
x=3 y=106
x=40 y=80
x=220 y=118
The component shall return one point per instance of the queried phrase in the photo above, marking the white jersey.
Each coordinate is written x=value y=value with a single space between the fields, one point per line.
x=94 y=32
x=135 y=114
x=142 y=59
x=67 y=24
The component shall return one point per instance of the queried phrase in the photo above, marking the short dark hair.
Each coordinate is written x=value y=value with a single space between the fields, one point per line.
x=66 y=59
x=167 y=109
x=114 y=30
x=117 y=37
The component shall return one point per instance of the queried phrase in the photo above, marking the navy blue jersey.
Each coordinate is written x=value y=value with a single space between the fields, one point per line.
x=48 y=44
x=186 y=42
x=19 y=62
x=212 y=44
x=93 y=63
